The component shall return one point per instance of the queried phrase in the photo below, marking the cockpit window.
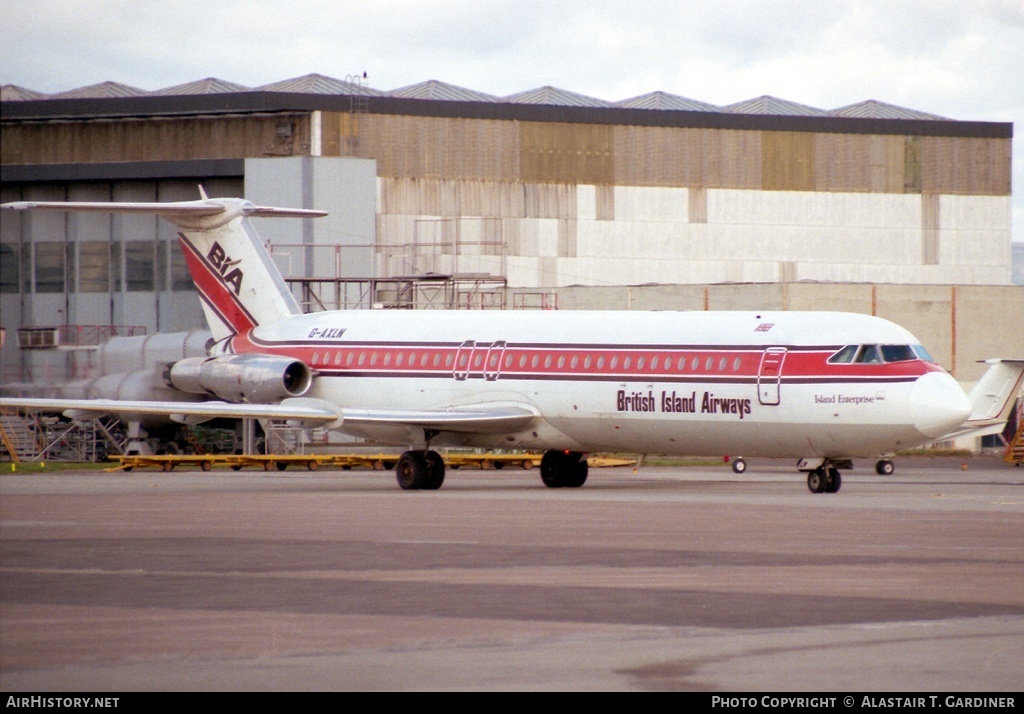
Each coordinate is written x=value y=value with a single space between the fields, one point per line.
x=869 y=354
x=897 y=353
x=877 y=354
x=921 y=352
x=844 y=356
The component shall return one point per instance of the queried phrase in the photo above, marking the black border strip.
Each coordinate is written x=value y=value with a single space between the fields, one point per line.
x=253 y=101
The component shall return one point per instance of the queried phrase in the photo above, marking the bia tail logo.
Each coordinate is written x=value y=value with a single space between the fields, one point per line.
x=224 y=265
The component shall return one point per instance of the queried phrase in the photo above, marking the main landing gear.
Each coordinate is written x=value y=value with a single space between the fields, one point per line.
x=424 y=470
x=420 y=470
x=824 y=479
x=563 y=469
x=823 y=474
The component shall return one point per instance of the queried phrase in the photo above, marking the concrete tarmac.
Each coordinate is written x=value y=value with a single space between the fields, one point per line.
x=674 y=578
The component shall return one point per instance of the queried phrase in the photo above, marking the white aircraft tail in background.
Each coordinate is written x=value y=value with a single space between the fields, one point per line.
x=822 y=387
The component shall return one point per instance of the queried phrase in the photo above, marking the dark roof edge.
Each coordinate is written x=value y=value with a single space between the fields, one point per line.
x=282 y=102
x=122 y=170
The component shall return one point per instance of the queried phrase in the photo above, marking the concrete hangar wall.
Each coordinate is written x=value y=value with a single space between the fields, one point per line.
x=548 y=196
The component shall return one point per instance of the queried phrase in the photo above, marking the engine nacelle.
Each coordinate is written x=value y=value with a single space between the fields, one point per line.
x=242 y=378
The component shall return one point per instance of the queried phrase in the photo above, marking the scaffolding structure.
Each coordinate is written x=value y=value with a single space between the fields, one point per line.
x=420 y=292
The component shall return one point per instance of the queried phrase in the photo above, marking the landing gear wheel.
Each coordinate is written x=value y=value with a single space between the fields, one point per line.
x=885 y=468
x=420 y=470
x=563 y=469
x=816 y=481
x=739 y=466
x=835 y=480
x=435 y=467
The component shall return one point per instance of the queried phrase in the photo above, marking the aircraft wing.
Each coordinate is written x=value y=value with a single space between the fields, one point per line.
x=88 y=408
x=169 y=209
x=466 y=420
x=483 y=419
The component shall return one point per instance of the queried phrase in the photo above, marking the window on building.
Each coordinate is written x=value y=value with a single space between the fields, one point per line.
x=139 y=265
x=94 y=267
x=9 y=273
x=50 y=266
x=181 y=279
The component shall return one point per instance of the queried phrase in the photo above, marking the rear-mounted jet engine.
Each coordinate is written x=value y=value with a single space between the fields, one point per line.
x=242 y=378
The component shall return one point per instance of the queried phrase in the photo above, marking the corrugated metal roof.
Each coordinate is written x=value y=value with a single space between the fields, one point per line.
x=318 y=84
x=555 y=96
x=664 y=100
x=103 y=90
x=210 y=85
x=14 y=93
x=150 y=105
x=769 y=105
x=436 y=89
x=874 y=109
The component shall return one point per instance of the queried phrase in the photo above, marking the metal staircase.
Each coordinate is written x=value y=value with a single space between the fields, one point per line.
x=35 y=436
x=18 y=438
x=1015 y=448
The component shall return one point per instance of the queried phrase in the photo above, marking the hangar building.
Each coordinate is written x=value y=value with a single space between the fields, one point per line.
x=540 y=199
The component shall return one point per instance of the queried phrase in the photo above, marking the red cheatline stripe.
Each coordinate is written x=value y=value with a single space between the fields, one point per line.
x=215 y=291
x=578 y=363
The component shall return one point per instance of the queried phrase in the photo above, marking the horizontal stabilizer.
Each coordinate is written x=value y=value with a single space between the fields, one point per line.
x=174 y=211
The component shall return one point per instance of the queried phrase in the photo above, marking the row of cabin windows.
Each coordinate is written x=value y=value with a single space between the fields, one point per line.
x=535 y=361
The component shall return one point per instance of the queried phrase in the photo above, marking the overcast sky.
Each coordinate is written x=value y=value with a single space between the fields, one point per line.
x=961 y=59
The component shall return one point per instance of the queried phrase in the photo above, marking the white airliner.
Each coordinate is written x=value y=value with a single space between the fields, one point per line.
x=822 y=387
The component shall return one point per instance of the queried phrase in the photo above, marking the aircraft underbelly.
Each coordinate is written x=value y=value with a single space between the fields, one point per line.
x=644 y=418
x=748 y=439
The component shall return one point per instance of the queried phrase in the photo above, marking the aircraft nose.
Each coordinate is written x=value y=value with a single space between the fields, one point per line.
x=938 y=405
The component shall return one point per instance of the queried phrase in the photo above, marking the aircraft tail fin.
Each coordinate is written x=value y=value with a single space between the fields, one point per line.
x=993 y=397
x=238 y=283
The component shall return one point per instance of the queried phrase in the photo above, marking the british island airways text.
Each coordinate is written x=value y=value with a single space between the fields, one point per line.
x=672 y=402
